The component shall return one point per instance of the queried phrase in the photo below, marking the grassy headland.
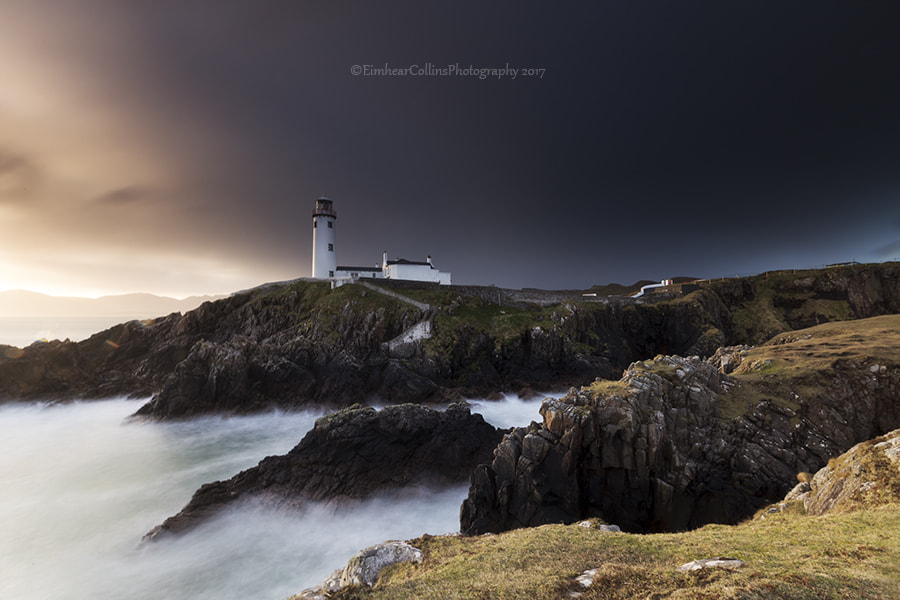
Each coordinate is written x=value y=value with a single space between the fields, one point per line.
x=788 y=555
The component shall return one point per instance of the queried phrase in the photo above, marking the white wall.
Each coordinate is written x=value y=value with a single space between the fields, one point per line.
x=416 y=273
x=324 y=261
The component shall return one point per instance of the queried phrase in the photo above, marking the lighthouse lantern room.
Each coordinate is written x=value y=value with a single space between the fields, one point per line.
x=324 y=258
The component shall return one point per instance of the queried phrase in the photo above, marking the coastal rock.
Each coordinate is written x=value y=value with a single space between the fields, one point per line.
x=300 y=343
x=324 y=590
x=351 y=455
x=363 y=568
x=654 y=452
x=631 y=457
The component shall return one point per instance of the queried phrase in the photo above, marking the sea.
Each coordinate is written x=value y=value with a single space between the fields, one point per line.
x=23 y=331
x=80 y=484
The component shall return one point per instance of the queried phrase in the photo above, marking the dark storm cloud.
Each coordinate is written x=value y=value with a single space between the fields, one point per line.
x=662 y=139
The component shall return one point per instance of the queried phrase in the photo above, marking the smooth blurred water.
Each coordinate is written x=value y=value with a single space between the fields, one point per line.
x=512 y=411
x=78 y=489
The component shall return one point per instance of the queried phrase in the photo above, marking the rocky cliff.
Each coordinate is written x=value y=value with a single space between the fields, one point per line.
x=351 y=455
x=676 y=443
x=297 y=343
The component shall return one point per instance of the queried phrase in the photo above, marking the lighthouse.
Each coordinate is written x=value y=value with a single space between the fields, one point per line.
x=324 y=258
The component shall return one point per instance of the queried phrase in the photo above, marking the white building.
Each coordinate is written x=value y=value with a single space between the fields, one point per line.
x=401 y=268
x=324 y=261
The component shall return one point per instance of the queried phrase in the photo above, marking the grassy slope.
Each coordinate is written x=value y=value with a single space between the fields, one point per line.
x=802 y=361
x=851 y=555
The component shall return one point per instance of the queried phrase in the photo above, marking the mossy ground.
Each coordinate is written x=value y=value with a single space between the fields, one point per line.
x=797 y=364
x=788 y=556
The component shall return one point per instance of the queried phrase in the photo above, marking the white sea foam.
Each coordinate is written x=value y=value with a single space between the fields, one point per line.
x=78 y=489
x=512 y=411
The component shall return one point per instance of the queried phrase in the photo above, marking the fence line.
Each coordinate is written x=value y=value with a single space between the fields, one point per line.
x=795 y=270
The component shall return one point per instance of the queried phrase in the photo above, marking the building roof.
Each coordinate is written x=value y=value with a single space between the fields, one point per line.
x=403 y=261
x=340 y=268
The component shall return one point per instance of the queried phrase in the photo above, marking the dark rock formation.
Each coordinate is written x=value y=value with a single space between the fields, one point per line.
x=301 y=343
x=656 y=451
x=353 y=454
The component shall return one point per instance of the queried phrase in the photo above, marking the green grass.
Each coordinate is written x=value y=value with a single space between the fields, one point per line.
x=788 y=556
x=502 y=323
x=801 y=362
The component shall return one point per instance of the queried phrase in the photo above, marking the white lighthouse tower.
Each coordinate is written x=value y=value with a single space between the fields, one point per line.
x=324 y=258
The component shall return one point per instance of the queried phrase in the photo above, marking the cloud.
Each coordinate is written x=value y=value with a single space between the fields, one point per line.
x=126 y=195
x=19 y=177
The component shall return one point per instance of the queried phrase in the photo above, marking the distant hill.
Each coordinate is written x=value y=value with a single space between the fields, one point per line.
x=24 y=303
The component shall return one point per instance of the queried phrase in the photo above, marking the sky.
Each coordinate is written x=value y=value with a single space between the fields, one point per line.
x=178 y=148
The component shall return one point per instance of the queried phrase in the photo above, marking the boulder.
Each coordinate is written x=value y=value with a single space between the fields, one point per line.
x=365 y=566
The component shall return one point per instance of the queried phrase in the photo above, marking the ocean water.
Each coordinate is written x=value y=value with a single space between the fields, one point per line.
x=23 y=331
x=79 y=487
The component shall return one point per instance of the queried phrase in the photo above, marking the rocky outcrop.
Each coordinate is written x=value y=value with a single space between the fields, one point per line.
x=299 y=343
x=630 y=455
x=659 y=451
x=353 y=454
x=363 y=568
x=865 y=476
x=728 y=358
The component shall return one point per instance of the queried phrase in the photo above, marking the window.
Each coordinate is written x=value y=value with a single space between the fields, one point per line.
x=330 y=225
x=315 y=223
x=331 y=273
x=331 y=247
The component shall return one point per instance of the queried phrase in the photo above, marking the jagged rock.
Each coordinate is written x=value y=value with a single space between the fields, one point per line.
x=628 y=457
x=652 y=452
x=353 y=454
x=728 y=358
